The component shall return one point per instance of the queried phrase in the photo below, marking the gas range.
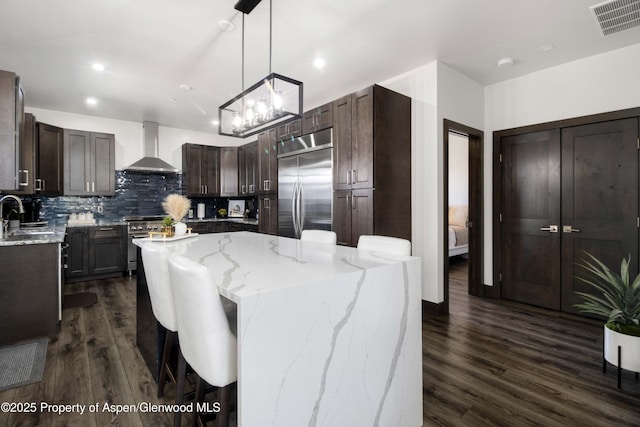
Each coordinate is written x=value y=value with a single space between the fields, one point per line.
x=140 y=226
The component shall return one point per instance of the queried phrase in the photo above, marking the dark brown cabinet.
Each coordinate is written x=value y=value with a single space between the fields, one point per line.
x=11 y=126
x=289 y=130
x=268 y=219
x=206 y=227
x=247 y=169
x=95 y=251
x=89 y=163
x=267 y=162
x=201 y=169
x=353 y=215
x=228 y=171
x=317 y=119
x=76 y=263
x=29 y=297
x=49 y=160
x=27 y=169
x=372 y=165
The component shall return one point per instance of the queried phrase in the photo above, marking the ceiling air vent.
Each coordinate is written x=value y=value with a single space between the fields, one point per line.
x=613 y=16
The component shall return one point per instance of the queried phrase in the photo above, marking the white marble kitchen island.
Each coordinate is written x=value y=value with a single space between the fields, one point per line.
x=327 y=335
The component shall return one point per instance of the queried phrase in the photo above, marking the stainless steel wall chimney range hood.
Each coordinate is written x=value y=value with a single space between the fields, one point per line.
x=151 y=162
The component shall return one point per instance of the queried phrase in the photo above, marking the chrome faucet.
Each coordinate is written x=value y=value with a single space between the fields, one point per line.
x=16 y=198
x=20 y=210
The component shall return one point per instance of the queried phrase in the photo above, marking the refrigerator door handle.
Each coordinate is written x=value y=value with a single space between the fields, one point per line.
x=293 y=208
x=300 y=208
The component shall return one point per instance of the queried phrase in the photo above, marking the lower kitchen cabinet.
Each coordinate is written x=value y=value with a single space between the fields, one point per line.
x=29 y=301
x=207 y=227
x=353 y=215
x=268 y=207
x=95 y=252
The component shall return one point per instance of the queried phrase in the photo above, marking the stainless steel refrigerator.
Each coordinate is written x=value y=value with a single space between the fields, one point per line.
x=305 y=184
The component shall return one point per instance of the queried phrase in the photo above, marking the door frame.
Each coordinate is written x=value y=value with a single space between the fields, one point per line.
x=476 y=201
x=495 y=291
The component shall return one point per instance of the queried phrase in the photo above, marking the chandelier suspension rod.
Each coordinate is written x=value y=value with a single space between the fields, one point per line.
x=270 y=32
x=243 y=52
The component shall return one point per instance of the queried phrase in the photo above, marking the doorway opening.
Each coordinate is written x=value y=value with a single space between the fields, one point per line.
x=463 y=201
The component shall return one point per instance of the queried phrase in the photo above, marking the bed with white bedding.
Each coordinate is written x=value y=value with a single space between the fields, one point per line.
x=458 y=231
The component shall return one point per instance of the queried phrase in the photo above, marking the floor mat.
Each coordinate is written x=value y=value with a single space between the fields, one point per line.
x=22 y=363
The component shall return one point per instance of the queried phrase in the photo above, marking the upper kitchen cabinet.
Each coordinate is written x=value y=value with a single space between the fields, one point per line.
x=247 y=169
x=11 y=125
x=27 y=168
x=49 y=160
x=89 y=163
x=372 y=151
x=289 y=129
x=317 y=119
x=201 y=170
x=267 y=162
x=228 y=171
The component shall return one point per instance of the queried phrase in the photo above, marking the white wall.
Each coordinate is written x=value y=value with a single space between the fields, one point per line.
x=128 y=135
x=458 y=170
x=438 y=93
x=598 y=84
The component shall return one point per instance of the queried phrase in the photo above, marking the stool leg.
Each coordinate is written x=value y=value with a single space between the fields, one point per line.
x=182 y=373
x=199 y=397
x=164 y=363
x=222 y=417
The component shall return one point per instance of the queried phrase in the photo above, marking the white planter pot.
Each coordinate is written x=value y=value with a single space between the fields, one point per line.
x=180 y=228
x=630 y=348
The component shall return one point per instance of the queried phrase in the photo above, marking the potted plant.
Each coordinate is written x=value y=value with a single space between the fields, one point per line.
x=618 y=300
x=222 y=213
x=176 y=206
x=167 y=226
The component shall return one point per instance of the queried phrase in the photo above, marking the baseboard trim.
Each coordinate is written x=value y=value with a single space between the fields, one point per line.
x=434 y=309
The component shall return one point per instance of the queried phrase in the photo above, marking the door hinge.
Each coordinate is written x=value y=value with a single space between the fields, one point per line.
x=638 y=145
x=499 y=217
x=500 y=157
x=638 y=222
x=500 y=277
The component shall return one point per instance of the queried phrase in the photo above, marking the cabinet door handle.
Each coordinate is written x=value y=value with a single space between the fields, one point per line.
x=93 y=186
x=38 y=186
x=243 y=189
x=26 y=177
x=87 y=186
x=267 y=184
x=267 y=203
x=44 y=185
x=348 y=177
x=353 y=202
x=551 y=228
x=353 y=177
x=206 y=189
x=569 y=229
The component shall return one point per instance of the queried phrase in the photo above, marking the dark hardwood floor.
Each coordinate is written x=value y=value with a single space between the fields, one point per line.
x=488 y=363
x=494 y=363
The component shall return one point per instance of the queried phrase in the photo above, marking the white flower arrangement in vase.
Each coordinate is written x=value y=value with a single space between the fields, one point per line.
x=177 y=206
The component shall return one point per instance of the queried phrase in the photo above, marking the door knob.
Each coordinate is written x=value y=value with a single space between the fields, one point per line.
x=569 y=229
x=550 y=229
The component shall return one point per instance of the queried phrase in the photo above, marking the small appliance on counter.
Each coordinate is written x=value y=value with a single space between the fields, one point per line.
x=200 y=214
x=81 y=219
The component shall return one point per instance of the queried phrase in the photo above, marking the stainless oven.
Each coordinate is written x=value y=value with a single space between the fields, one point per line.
x=138 y=227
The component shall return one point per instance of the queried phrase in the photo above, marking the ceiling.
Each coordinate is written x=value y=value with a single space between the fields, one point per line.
x=151 y=47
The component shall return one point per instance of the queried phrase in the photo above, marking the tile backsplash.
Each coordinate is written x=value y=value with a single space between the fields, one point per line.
x=137 y=193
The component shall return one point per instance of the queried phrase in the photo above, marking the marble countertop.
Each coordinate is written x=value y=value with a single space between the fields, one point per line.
x=98 y=223
x=52 y=233
x=245 y=263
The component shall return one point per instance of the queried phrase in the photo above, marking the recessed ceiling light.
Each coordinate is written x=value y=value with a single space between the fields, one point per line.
x=505 y=62
x=226 y=25
x=91 y=101
x=98 y=66
x=185 y=87
x=215 y=122
x=319 y=63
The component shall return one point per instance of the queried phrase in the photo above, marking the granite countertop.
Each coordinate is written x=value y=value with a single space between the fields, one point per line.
x=98 y=223
x=52 y=233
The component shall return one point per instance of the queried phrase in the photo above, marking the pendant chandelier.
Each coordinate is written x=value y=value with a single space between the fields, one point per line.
x=272 y=100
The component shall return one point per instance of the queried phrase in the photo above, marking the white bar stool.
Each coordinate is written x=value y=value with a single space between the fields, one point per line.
x=206 y=340
x=319 y=236
x=156 y=267
x=392 y=245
